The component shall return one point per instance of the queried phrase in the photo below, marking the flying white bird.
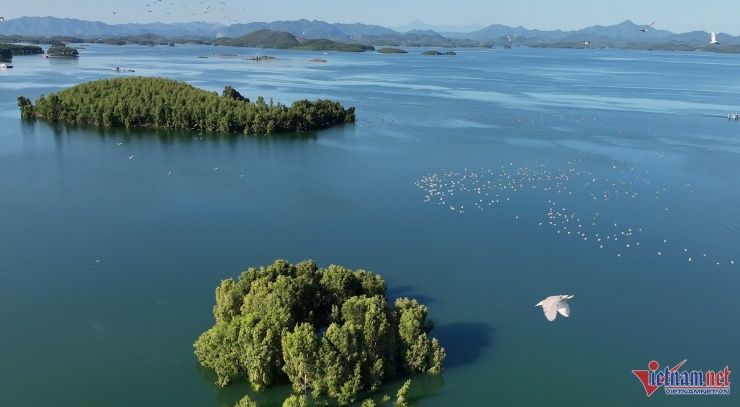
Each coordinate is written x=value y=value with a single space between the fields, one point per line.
x=554 y=304
x=586 y=42
x=646 y=29
x=714 y=40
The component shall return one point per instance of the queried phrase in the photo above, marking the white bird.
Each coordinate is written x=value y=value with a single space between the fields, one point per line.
x=714 y=40
x=586 y=42
x=646 y=29
x=554 y=304
x=130 y=157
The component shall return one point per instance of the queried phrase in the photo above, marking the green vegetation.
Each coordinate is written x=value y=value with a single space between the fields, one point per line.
x=330 y=331
x=438 y=53
x=260 y=39
x=283 y=40
x=169 y=104
x=392 y=51
x=328 y=45
x=402 y=393
x=8 y=50
x=61 y=50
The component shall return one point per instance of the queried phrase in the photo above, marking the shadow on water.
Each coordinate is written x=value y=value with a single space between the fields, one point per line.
x=464 y=342
x=231 y=394
x=166 y=136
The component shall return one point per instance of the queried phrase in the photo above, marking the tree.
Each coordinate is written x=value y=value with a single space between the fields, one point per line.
x=232 y=93
x=229 y=299
x=246 y=401
x=402 y=393
x=373 y=316
x=27 y=111
x=419 y=354
x=296 y=401
x=300 y=351
x=341 y=356
x=216 y=348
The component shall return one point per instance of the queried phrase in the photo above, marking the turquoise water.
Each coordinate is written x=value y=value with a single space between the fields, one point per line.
x=480 y=184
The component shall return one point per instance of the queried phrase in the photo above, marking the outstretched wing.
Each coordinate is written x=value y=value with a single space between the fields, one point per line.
x=550 y=307
x=564 y=308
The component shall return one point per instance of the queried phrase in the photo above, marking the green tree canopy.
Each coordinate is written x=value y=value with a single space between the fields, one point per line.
x=169 y=104
x=330 y=331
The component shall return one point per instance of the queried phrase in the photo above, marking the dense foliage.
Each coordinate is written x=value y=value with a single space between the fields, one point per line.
x=283 y=40
x=14 y=49
x=438 y=53
x=61 y=50
x=392 y=51
x=260 y=39
x=329 y=45
x=329 y=330
x=169 y=104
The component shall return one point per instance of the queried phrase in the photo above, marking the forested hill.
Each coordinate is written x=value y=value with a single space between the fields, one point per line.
x=169 y=104
x=284 y=40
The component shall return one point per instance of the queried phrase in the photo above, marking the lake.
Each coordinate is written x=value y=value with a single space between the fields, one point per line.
x=479 y=183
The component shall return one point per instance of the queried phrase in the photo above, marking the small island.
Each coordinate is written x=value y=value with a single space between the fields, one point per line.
x=169 y=104
x=329 y=331
x=259 y=58
x=438 y=53
x=62 y=51
x=392 y=51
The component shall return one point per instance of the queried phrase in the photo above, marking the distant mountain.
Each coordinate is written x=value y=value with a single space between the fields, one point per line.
x=308 y=29
x=52 y=26
x=625 y=34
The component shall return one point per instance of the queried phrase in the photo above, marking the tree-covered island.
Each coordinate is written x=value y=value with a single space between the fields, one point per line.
x=329 y=331
x=9 y=50
x=62 y=51
x=169 y=104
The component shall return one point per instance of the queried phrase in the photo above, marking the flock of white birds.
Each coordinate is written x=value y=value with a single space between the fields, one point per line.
x=594 y=206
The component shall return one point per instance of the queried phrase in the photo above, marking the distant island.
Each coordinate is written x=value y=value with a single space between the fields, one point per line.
x=328 y=331
x=63 y=51
x=169 y=104
x=392 y=51
x=438 y=53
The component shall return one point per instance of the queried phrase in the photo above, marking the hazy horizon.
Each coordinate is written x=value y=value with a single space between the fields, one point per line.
x=567 y=15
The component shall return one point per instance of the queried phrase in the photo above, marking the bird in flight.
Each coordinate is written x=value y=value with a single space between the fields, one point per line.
x=554 y=304
x=646 y=29
x=586 y=42
x=2 y=18
x=714 y=40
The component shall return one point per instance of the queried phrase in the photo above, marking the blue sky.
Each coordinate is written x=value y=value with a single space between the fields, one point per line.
x=674 y=15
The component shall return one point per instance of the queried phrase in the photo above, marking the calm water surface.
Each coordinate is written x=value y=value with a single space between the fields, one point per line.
x=479 y=183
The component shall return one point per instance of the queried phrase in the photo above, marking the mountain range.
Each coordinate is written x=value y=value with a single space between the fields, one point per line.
x=417 y=33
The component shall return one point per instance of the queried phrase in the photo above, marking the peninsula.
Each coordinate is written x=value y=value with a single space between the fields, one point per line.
x=169 y=104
